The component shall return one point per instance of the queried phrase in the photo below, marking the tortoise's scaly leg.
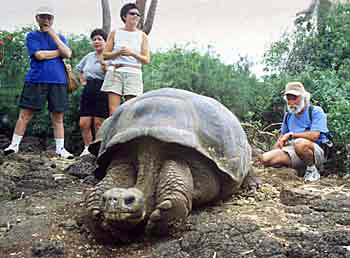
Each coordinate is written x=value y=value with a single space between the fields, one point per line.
x=118 y=175
x=173 y=196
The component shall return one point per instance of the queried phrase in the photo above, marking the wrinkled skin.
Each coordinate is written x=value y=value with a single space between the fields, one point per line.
x=156 y=162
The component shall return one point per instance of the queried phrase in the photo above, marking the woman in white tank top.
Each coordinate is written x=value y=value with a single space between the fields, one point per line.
x=127 y=49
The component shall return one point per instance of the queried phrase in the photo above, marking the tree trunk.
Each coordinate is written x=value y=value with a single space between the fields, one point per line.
x=144 y=24
x=150 y=17
x=106 y=16
x=141 y=4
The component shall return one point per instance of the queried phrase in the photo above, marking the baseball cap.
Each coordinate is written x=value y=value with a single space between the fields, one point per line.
x=295 y=88
x=45 y=10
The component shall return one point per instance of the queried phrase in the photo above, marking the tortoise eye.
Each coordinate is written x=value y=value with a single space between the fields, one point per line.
x=129 y=200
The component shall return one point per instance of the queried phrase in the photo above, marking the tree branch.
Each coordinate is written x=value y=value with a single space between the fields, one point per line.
x=106 y=16
x=141 y=4
x=150 y=17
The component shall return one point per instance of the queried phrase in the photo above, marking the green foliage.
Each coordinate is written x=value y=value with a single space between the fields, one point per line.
x=319 y=56
x=13 y=57
x=80 y=45
x=186 y=68
x=14 y=63
x=179 y=67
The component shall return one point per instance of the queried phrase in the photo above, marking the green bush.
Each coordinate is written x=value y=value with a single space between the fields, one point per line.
x=320 y=58
x=186 y=68
x=14 y=64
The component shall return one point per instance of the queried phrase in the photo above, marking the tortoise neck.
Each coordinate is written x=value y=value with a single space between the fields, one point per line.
x=149 y=163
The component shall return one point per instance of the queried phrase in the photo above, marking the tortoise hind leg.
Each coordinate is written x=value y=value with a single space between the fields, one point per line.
x=173 y=196
x=251 y=182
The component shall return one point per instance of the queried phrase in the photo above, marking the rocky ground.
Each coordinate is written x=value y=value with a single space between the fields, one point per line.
x=42 y=215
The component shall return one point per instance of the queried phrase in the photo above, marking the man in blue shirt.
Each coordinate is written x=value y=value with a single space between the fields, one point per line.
x=302 y=136
x=45 y=81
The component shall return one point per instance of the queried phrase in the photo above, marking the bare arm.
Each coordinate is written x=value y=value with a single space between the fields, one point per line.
x=309 y=135
x=46 y=54
x=144 y=56
x=64 y=50
x=108 y=52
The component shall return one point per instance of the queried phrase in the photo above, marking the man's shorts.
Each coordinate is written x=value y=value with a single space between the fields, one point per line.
x=123 y=83
x=298 y=164
x=34 y=97
x=93 y=101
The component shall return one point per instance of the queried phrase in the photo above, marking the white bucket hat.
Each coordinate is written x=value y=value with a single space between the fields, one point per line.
x=45 y=10
x=295 y=88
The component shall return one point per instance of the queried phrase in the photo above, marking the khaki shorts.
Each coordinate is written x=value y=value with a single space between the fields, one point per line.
x=123 y=83
x=298 y=164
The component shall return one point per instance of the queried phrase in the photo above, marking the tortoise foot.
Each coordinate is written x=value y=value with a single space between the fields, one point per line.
x=158 y=222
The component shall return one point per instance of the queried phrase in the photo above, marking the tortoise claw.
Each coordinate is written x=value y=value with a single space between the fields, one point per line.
x=96 y=213
x=155 y=216
x=158 y=221
x=166 y=205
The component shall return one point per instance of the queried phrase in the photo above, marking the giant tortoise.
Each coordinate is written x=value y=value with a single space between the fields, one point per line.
x=163 y=153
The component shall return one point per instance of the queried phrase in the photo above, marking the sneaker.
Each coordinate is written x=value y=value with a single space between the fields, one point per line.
x=311 y=174
x=11 y=149
x=63 y=153
x=85 y=152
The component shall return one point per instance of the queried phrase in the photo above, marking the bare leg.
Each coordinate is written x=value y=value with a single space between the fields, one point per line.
x=275 y=158
x=97 y=123
x=114 y=101
x=85 y=127
x=57 y=124
x=305 y=150
x=25 y=115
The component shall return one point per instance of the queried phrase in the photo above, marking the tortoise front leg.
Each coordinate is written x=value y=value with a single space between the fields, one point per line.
x=173 y=196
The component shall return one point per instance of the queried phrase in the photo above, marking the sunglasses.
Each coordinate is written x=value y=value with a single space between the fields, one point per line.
x=45 y=16
x=290 y=97
x=134 y=14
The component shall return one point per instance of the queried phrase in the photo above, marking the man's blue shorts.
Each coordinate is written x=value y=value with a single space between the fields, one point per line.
x=34 y=97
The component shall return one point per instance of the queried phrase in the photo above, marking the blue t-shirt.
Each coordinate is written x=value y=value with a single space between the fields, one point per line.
x=49 y=71
x=301 y=122
x=90 y=66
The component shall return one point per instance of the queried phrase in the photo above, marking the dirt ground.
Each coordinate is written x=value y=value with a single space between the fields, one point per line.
x=42 y=215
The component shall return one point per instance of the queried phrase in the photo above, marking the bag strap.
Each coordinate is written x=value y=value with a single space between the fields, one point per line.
x=287 y=115
x=311 y=108
x=285 y=119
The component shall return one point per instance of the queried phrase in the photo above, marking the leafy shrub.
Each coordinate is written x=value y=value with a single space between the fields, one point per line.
x=14 y=64
x=186 y=68
x=320 y=58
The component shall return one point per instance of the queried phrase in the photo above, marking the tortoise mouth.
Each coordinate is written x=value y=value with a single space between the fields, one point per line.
x=123 y=219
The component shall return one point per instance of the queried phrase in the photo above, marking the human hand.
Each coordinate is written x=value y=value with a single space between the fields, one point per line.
x=282 y=141
x=50 y=31
x=45 y=28
x=124 y=51
x=68 y=67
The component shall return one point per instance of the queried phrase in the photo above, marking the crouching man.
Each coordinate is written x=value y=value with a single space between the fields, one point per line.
x=303 y=135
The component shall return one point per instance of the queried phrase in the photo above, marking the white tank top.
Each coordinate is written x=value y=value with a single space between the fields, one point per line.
x=132 y=40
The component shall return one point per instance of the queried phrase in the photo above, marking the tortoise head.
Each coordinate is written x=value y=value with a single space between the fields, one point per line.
x=123 y=208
